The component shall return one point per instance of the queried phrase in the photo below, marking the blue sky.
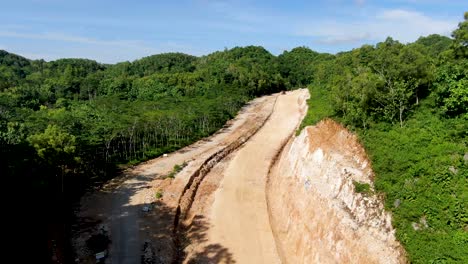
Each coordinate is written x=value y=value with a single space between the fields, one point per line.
x=115 y=30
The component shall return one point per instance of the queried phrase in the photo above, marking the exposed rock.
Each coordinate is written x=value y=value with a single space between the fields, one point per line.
x=423 y=222
x=421 y=225
x=397 y=203
x=315 y=213
x=453 y=170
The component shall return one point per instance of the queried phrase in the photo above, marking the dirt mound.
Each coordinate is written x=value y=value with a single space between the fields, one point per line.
x=315 y=212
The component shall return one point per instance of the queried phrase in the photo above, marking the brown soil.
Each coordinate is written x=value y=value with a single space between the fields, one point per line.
x=117 y=207
x=228 y=221
x=315 y=213
x=251 y=193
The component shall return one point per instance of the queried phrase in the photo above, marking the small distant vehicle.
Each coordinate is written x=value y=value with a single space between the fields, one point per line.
x=146 y=208
x=101 y=256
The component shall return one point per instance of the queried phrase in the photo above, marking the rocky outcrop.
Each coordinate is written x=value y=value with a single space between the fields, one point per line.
x=315 y=212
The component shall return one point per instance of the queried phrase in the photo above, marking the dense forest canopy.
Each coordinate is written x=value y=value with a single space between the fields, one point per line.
x=69 y=124
x=94 y=116
x=409 y=105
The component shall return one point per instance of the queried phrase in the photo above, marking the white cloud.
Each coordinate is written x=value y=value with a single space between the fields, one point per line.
x=67 y=38
x=403 y=25
x=343 y=39
x=101 y=53
x=108 y=51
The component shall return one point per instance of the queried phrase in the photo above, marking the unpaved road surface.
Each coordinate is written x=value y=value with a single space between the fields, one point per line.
x=229 y=221
x=247 y=196
x=117 y=208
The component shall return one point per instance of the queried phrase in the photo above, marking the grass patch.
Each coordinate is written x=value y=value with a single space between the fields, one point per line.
x=319 y=107
x=159 y=194
x=177 y=168
x=363 y=188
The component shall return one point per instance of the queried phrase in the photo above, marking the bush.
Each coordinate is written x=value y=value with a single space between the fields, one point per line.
x=319 y=105
x=177 y=168
x=159 y=194
x=362 y=187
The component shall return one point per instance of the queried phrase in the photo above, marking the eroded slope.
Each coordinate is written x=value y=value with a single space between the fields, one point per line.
x=316 y=214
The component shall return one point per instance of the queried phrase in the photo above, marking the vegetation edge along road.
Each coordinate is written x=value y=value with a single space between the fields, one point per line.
x=408 y=103
x=70 y=123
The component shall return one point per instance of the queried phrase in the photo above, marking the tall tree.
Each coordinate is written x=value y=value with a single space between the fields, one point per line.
x=56 y=147
x=460 y=36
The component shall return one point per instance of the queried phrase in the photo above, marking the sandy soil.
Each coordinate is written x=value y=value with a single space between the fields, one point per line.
x=235 y=227
x=117 y=208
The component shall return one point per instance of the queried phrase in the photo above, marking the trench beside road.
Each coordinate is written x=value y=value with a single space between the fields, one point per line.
x=118 y=206
x=232 y=200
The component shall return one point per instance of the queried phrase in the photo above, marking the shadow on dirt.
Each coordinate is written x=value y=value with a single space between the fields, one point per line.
x=196 y=234
x=143 y=233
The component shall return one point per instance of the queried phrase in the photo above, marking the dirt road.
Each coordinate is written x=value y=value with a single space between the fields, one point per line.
x=230 y=205
x=216 y=209
x=117 y=208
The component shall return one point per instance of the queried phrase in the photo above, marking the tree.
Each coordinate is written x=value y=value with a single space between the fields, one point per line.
x=296 y=66
x=460 y=35
x=55 y=146
x=399 y=97
x=435 y=44
x=451 y=87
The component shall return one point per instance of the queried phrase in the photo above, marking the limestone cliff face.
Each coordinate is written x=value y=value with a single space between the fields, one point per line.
x=316 y=214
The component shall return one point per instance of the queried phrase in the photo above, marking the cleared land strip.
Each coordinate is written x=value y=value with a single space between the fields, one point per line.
x=117 y=208
x=228 y=221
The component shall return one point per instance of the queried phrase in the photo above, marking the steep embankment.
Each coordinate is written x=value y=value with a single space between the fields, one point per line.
x=315 y=212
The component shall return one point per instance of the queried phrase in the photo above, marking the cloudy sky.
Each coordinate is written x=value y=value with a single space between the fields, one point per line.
x=116 y=30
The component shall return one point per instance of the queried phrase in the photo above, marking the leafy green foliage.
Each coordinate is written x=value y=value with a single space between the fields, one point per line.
x=159 y=194
x=362 y=187
x=177 y=168
x=319 y=107
x=408 y=104
x=460 y=35
x=164 y=63
x=86 y=118
x=435 y=44
x=451 y=87
x=53 y=144
x=422 y=165
x=296 y=66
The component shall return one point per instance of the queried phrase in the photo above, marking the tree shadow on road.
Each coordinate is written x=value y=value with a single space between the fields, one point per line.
x=196 y=234
x=158 y=239
x=156 y=234
x=134 y=231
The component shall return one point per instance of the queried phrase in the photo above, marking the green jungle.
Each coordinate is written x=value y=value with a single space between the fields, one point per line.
x=71 y=124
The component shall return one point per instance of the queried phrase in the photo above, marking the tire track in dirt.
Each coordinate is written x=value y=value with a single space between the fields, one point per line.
x=187 y=198
x=230 y=222
x=118 y=205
